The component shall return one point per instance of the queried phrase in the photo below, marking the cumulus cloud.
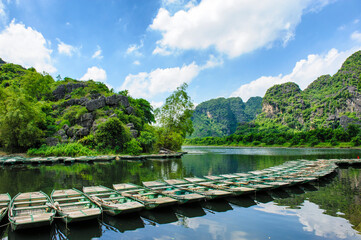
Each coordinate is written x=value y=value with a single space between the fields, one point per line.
x=356 y=36
x=134 y=49
x=161 y=51
x=304 y=72
x=26 y=46
x=98 y=53
x=96 y=74
x=164 y=80
x=233 y=27
x=160 y=80
x=136 y=62
x=66 y=49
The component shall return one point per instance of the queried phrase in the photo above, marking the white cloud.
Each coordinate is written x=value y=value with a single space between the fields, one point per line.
x=160 y=80
x=66 y=49
x=136 y=62
x=304 y=72
x=156 y=104
x=356 y=21
x=134 y=49
x=26 y=46
x=356 y=36
x=233 y=27
x=314 y=220
x=161 y=51
x=98 y=53
x=164 y=80
x=96 y=74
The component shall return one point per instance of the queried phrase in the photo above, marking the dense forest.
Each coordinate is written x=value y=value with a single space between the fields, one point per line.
x=69 y=117
x=221 y=117
x=327 y=113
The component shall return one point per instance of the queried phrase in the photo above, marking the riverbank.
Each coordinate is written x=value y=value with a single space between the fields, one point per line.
x=343 y=145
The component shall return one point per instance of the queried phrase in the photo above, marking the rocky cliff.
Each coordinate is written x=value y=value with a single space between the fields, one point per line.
x=221 y=116
x=329 y=101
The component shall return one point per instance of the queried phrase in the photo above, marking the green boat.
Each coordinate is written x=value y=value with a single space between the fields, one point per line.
x=149 y=198
x=181 y=195
x=258 y=186
x=218 y=184
x=4 y=205
x=208 y=192
x=30 y=210
x=112 y=202
x=73 y=206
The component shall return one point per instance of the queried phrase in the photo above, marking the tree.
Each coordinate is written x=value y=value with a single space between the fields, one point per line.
x=175 y=119
x=175 y=115
x=19 y=120
x=112 y=135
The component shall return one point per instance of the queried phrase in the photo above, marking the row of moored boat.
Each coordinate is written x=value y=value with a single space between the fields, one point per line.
x=35 y=209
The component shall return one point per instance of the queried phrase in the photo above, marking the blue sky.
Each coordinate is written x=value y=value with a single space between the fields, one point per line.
x=150 y=47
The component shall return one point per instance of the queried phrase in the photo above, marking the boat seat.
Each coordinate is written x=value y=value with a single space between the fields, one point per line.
x=69 y=198
x=64 y=195
x=84 y=212
x=74 y=203
x=30 y=207
x=103 y=194
x=112 y=198
x=33 y=218
x=31 y=202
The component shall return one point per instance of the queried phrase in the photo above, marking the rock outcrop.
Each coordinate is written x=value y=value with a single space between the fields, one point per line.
x=62 y=90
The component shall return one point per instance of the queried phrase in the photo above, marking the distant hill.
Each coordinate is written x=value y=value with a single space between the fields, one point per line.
x=328 y=102
x=221 y=116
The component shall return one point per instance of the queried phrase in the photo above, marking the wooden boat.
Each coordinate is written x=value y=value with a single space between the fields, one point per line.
x=181 y=195
x=149 y=198
x=30 y=210
x=73 y=206
x=234 y=189
x=258 y=186
x=112 y=202
x=208 y=192
x=4 y=205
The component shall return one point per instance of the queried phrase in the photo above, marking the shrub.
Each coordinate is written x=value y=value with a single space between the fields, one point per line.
x=132 y=147
x=112 y=135
x=70 y=149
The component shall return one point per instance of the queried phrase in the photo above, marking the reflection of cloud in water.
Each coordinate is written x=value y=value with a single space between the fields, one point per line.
x=314 y=220
x=215 y=229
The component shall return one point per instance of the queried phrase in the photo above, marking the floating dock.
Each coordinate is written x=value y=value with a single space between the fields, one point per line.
x=16 y=160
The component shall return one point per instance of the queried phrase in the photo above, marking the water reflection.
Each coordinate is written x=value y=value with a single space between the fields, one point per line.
x=326 y=209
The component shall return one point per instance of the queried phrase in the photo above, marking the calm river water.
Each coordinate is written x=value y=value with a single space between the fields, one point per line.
x=328 y=209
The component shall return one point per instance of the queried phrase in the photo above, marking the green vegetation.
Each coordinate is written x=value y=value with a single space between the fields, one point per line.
x=72 y=118
x=175 y=119
x=326 y=114
x=220 y=117
x=70 y=149
x=249 y=134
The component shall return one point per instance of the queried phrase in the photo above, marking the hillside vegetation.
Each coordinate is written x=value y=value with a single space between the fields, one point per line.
x=327 y=113
x=221 y=117
x=70 y=117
